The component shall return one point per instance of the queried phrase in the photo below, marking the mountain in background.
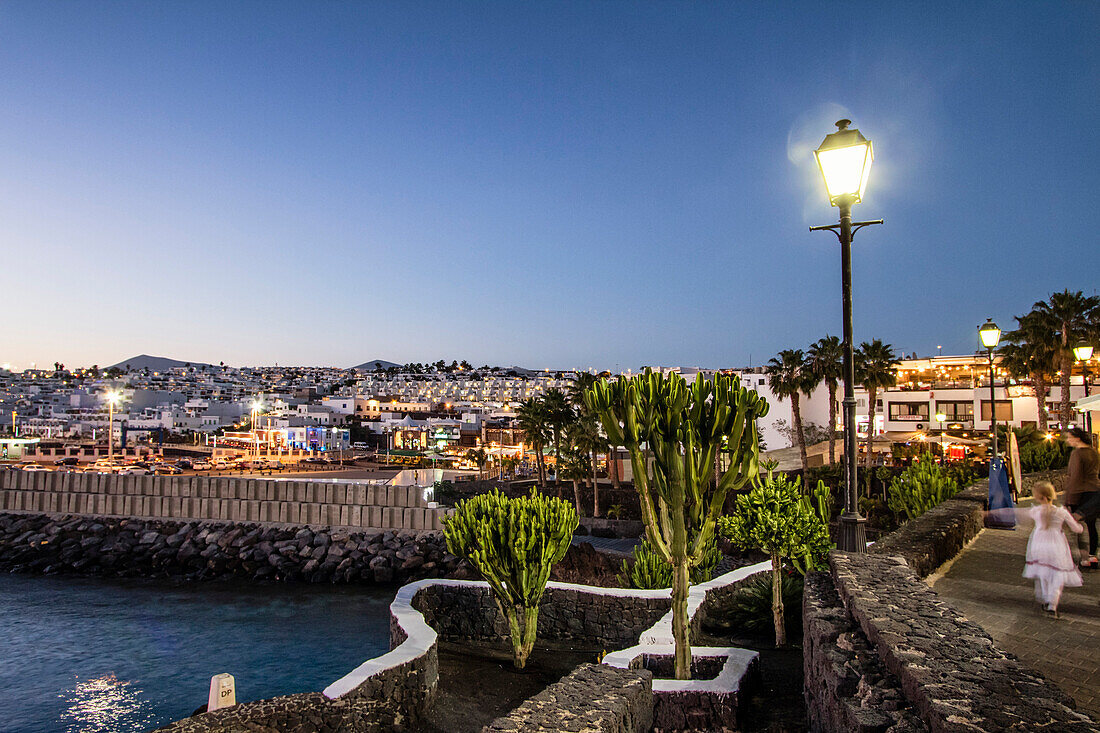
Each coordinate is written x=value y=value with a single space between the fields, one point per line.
x=369 y=366
x=155 y=363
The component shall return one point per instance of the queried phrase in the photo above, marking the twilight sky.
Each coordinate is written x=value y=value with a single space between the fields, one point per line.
x=546 y=184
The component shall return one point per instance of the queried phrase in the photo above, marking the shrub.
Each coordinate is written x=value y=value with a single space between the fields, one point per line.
x=775 y=517
x=1044 y=456
x=649 y=571
x=752 y=609
x=920 y=487
x=513 y=543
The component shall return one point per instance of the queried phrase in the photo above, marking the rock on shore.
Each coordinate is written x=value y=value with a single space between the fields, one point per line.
x=136 y=548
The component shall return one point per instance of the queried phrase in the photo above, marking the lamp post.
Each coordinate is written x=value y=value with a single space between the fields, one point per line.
x=844 y=158
x=1083 y=352
x=940 y=418
x=256 y=406
x=112 y=398
x=991 y=336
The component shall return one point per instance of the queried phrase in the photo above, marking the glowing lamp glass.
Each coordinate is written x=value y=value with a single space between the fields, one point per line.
x=989 y=334
x=845 y=159
x=1083 y=351
x=940 y=417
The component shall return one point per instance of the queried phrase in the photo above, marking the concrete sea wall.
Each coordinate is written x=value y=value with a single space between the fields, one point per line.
x=147 y=548
x=224 y=499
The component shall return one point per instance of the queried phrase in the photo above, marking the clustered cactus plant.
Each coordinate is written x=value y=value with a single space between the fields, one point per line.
x=920 y=487
x=513 y=543
x=673 y=431
x=650 y=571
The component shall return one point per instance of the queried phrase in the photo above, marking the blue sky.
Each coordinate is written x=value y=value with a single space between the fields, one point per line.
x=545 y=184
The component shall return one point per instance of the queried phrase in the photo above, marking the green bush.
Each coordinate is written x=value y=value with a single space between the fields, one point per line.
x=753 y=603
x=919 y=488
x=513 y=543
x=648 y=571
x=1044 y=456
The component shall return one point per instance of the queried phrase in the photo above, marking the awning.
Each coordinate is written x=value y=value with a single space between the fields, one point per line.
x=1089 y=404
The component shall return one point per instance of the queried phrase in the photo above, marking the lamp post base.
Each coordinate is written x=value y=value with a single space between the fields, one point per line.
x=852 y=534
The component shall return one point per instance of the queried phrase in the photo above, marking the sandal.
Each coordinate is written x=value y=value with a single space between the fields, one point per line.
x=1089 y=563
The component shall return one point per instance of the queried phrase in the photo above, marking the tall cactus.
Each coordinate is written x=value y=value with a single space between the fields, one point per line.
x=513 y=543
x=681 y=427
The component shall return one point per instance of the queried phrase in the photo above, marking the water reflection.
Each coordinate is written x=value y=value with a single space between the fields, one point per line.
x=105 y=704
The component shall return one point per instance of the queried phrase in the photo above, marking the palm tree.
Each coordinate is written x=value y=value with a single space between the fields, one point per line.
x=789 y=377
x=826 y=357
x=559 y=413
x=583 y=434
x=1069 y=317
x=532 y=419
x=876 y=365
x=1031 y=354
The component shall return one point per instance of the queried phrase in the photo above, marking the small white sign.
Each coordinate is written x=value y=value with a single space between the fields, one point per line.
x=223 y=692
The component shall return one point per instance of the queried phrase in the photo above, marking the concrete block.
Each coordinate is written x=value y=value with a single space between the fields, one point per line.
x=390 y=518
x=355 y=516
x=372 y=517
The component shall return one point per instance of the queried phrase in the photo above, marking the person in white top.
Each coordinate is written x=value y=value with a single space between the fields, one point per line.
x=1049 y=560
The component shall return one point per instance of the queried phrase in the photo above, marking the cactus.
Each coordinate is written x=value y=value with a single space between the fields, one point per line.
x=673 y=431
x=777 y=518
x=649 y=571
x=920 y=487
x=513 y=543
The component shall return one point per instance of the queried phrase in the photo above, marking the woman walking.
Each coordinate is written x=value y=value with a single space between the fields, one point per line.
x=1083 y=485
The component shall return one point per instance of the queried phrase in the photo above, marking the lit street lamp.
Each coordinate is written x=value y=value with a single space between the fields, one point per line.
x=991 y=336
x=844 y=158
x=112 y=399
x=1083 y=352
x=940 y=418
x=257 y=405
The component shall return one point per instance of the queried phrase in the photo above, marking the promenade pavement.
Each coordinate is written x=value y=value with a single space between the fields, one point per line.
x=985 y=583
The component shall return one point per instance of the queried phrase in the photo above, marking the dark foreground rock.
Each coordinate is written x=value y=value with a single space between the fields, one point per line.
x=137 y=548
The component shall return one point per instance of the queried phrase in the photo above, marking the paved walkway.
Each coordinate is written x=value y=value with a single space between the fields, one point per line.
x=985 y=583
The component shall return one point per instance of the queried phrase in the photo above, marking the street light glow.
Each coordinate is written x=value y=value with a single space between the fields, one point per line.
x=989 y=334
x=845 y=158
x=1083 y=351
x=113 y=397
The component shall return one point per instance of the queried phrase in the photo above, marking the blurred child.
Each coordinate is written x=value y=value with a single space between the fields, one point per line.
x=1049 y=560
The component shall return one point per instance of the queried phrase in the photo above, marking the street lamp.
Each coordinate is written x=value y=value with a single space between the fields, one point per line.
x=844 y=158
x=257 y=405
x=1083 y=352
x=991 y=336
x=940 y=418
x=112 y=399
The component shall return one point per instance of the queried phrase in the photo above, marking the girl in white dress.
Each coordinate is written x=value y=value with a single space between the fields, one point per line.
x=1049 y=560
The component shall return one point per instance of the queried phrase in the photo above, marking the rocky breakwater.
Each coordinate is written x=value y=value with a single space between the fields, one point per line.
x=132 y=548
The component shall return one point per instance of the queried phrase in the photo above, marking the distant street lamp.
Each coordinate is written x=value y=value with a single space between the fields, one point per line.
x=844 y=158
x=1083 y=352
x=112 y=398
x=940 y=418
x=257 y=405
x=991 y=336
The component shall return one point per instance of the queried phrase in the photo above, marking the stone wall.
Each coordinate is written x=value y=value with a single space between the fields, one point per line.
x=310 y=711
x=219 y=499
x=883 y=652
x=608 y=620
x=594 y=697
x=940 y=533
x=114 y=547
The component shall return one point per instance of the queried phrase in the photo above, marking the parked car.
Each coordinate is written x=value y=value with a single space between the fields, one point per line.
x=202 y=465
x=276 y=465
x=184 y=463
x=133 y=470
x=164 y=469
x=32 y=467
x=66 y=461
